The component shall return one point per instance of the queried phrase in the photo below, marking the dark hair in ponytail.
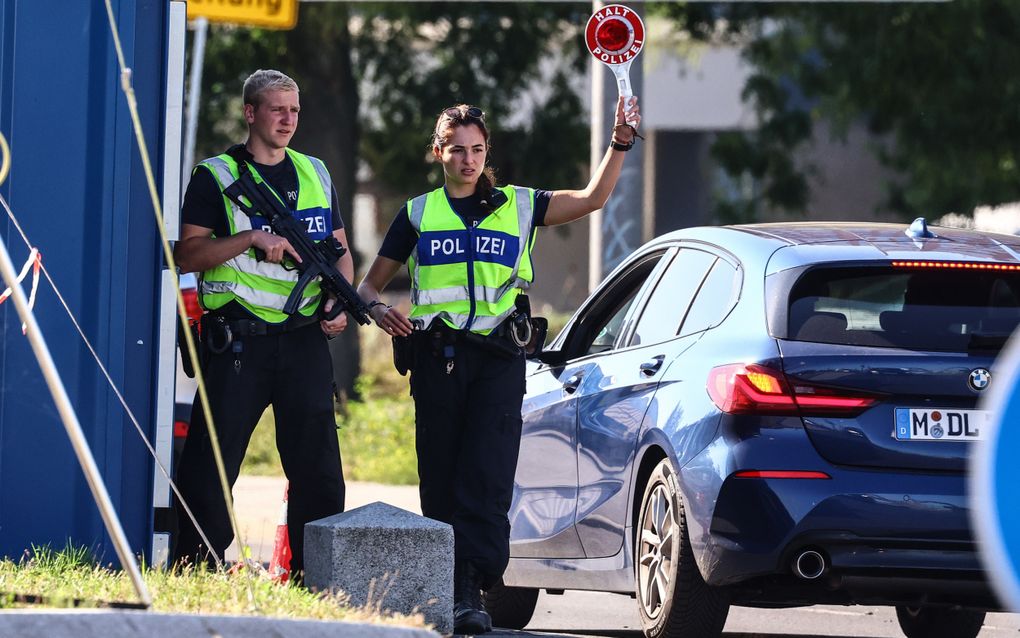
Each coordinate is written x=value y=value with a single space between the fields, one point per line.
x=485 y=185
x=464 y=115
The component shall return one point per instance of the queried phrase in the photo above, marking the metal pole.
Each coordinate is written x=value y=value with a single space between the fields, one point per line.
x=597 y=150
x=74 y=432
x=201 y=28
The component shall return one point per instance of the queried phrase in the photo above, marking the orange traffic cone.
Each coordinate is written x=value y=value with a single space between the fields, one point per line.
x=279 y=566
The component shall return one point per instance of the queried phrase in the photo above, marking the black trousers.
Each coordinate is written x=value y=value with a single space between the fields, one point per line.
x=293 y=372
x=468 y=434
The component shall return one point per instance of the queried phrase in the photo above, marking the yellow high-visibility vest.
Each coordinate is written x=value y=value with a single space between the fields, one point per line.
x=260 y=286
x=469 y=277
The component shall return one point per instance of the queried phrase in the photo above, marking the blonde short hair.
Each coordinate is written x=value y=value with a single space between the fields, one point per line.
x=266 y=80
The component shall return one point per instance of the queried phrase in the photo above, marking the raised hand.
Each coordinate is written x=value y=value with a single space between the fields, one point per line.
x=628 y=118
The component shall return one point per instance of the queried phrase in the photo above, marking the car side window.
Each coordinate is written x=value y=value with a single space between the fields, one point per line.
x=661 y=317
x=608 y=333
x=598 y=327
x=714 y=299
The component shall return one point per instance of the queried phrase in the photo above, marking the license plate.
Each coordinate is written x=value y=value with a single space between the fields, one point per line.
x=941 y=424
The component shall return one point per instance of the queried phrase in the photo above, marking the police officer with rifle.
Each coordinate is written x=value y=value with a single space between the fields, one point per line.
x=255 y=198
x=261 y=224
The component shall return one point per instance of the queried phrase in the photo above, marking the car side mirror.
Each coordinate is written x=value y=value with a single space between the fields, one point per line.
x=550 y=357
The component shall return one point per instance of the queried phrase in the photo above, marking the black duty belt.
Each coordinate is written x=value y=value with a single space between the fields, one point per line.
x=439 y=336
x=257 y=327
x=220 y=333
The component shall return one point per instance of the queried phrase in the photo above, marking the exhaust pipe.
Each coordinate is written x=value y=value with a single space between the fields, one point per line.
x=809 y=564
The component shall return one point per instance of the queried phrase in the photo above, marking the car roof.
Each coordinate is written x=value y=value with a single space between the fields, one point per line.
x=813 y=242
x=795 y=233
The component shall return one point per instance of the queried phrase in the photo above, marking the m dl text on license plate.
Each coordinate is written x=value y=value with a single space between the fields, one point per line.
x=941 y=424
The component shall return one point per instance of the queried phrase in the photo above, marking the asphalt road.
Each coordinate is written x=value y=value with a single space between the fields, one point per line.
x=574 y=614
x=595 y=614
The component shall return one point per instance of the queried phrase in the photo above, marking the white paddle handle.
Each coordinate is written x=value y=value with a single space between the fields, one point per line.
x=622 y=73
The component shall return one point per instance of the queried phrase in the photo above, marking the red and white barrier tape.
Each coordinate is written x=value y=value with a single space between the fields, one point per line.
x=35 y=263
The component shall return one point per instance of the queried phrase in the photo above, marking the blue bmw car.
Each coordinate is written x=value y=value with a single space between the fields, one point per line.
x=767 y=415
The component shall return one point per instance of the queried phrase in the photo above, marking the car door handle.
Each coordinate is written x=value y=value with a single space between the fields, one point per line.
x=650 y=367
x=570 y=385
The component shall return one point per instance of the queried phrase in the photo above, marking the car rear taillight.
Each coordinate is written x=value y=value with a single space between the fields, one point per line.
x=191 y=305
x=756 y=389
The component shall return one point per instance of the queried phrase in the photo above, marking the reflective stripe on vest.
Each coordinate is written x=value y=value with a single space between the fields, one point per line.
x=470 y=277
x=263 y=287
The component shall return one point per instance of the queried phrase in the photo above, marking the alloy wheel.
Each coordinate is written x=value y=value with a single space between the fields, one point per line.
x=655 y=551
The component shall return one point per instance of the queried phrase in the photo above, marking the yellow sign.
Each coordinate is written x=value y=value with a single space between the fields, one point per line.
x=274 y=14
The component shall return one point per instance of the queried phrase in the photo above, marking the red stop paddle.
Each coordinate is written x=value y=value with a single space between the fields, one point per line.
x=615 y=35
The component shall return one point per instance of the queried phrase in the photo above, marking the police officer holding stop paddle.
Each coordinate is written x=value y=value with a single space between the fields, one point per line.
x=468 y=248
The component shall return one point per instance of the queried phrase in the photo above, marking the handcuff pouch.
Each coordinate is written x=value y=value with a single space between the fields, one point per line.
x=525 y=330
x=216 y=334
x=539 y=330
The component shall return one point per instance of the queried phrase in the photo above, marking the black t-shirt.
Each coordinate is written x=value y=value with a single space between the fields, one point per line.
x=400 y=239
x=203 y=201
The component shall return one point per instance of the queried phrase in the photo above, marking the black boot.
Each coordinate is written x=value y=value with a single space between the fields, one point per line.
x=469 y=616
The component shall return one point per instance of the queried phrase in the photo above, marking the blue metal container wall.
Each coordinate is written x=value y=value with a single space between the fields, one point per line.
x=78 y=188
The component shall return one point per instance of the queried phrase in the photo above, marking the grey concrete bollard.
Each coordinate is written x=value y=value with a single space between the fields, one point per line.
x=384 y=557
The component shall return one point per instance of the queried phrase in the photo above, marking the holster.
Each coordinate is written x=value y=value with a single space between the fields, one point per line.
x=403 y=354
x=186 y=363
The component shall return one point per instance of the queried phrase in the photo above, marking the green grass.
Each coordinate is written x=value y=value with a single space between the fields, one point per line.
x=71 y=577
x=377 y=439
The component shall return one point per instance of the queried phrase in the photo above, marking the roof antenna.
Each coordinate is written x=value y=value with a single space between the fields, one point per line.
x=919 y=230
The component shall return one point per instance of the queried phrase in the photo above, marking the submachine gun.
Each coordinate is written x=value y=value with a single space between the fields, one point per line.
x=318 y=259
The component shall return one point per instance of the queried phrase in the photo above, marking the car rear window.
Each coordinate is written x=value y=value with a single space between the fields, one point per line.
x=942 y=309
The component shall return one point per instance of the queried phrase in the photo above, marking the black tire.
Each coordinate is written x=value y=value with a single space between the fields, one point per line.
x=673 y=599
x=510 y=607
x=939 y=622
